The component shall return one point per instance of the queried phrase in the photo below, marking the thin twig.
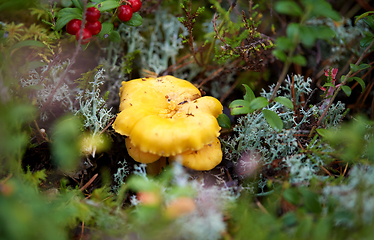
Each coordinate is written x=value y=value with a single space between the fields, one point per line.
x=345 y=169
x=7 y=178
x=89 y=182
x=326 y=171
x=108 y=125
x=82 y=231
x=214 y=39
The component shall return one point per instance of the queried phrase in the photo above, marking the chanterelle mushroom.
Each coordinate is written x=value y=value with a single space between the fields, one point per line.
x=166 y=116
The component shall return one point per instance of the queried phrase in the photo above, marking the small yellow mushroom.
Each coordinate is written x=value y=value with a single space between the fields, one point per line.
x=166 y=117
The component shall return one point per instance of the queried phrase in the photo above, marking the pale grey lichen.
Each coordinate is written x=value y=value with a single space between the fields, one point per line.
x=120 y=176
x=44 y=81
x=92 y=106
x=354 y=197
x=254 y=134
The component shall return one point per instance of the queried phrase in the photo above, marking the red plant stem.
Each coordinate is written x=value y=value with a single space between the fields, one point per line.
x=342 y=84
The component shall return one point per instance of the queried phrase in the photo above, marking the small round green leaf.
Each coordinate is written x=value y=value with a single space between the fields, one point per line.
x=258 y=103
x=107 y=5
x=279 y=54
x=293 y=32
x=284 y=44
x=359 y=80
x=106 y=29
x=323 y=132
x=239 y=103
x=224 y=121
x=114 y=36
x=240 y=107
x=241 y=110
x=273 y=119
x=347 y=90
x=307 y=36
x=135 y=21
x=289 y=8
x=299 y=60
x=328 y=85
x=291 y=195
x=365 y=42
x=284 y=101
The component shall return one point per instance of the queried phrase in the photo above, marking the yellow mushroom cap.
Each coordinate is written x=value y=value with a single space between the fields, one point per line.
x=166 y=116
x=202 y=160
x=138 y=155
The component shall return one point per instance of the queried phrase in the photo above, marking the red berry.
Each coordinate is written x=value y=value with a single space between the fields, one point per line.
x=92 y=14
x=73 y=26
x=86 y=36
x=93 y=27
x=135 y=4
x=124 y=13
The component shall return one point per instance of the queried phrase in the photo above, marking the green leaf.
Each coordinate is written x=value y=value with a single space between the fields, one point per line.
x=280 y=55
x=26 y=43
x=347 y=90
x=311 y=200
x=33 y=64
x=359 y=80
x=240 y=106
x=107 y=5
x=365 y=42
x=363 y=15
x=323 y=132
x=323 y=32
x=249 y=95
x=66 y=3
x=241 y=110
x=258 y=103
x=114 y=36
x=369 y=20
x=135 y=21
x=224 y=121
x=284 y=44
x=106 y=29
x=284 y=101
x=239 y=103
x=78 y=4
x=288 y=8
x=65 y=147
x=138 y=183
x=68 y=11
x=307 y=36
x=291 y=195
x=321 y=8
x=299 y=59
x=356 y=68
x=293 y=32
x=273 y=119
x=289 y=219
x=62 y=21
x=328 y=85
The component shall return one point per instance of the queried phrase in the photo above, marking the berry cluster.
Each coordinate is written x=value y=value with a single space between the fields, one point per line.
x=93 y=25
x=124 y=12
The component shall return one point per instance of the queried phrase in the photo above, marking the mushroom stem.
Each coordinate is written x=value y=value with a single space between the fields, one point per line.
x=156 y=167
